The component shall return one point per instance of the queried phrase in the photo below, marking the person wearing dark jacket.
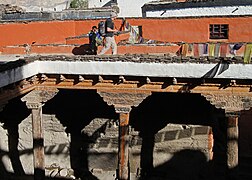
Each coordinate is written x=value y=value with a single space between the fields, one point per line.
x=93 y=36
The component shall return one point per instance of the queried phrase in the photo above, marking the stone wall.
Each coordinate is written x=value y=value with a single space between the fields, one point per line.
x=48 y=16
x=48 y=5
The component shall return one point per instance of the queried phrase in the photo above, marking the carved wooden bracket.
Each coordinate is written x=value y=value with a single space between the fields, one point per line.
x=230 y=103
x=36 y=98
x=122 y=100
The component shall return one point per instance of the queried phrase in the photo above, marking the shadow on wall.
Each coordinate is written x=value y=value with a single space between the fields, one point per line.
x=190 y=165
x=185 y=164
x=12 y=115
x=75 y=109
x=14 y=112
x=160 y=109
x=109 y=3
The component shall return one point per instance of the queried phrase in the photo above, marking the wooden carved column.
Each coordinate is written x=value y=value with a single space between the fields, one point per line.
x=123 y=101
x=34 y=101
x=232 y=104
x=232 y=140
x=123 y=153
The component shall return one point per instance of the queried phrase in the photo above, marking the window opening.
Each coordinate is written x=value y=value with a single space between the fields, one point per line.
x=218 y=31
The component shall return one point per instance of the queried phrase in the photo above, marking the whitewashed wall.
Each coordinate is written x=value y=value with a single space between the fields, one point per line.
x=206 y=11
x=131 y=8
x=128 y=8
x=98 y=3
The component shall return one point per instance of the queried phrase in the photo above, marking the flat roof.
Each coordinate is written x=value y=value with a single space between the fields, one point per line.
x=126 y=65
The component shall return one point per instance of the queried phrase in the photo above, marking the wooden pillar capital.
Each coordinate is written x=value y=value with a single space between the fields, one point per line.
x=233 y=114
x=36 y=98
x=231 y=103
x=122 y=109
x=34 y=105
x=123 y=100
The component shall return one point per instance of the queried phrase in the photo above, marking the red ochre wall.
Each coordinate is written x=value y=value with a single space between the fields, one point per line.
x=194 y=30
x=47 y=32
x=191 y=30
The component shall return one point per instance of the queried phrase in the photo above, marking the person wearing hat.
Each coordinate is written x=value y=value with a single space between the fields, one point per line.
x=109 y=37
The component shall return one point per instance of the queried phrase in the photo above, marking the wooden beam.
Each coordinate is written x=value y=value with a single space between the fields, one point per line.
x=153 y=86
x=9 y=94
